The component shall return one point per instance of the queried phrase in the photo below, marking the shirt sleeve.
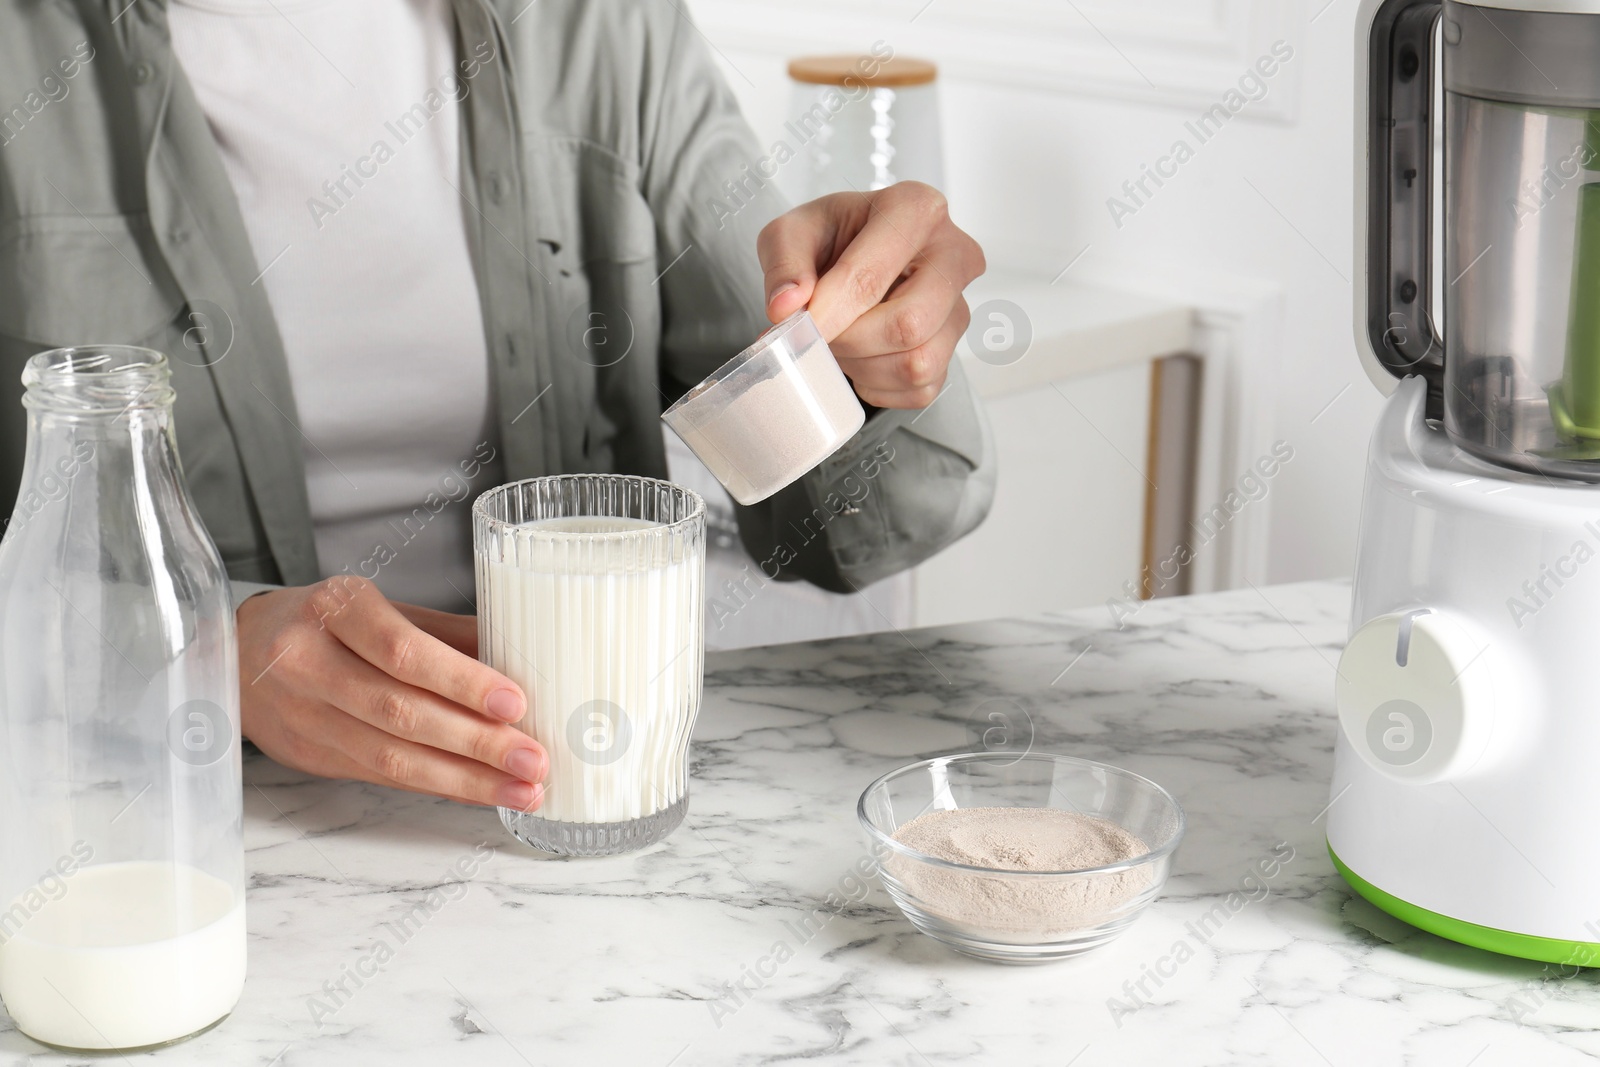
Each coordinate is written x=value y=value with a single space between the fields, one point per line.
x=905 y=487
x=910 y=482
x=242 y=591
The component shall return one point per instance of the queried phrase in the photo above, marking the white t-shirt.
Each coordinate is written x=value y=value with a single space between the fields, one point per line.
x=338 y=124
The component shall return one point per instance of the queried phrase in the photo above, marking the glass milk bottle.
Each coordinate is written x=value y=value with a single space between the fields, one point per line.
x=121 y=861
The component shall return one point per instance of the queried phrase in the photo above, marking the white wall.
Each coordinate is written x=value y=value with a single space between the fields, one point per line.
x=1049 y=107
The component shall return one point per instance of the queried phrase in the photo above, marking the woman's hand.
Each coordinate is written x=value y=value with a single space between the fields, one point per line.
x=882 y=273
x=339 y=681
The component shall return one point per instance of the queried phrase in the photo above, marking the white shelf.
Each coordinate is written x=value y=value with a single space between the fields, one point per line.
x=1078 y=329
x=1071 y=423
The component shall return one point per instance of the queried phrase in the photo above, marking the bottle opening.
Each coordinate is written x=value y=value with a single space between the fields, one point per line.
x=96 y=378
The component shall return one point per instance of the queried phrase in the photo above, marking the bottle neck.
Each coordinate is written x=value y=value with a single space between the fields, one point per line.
x=97 y=382
x=99 y=428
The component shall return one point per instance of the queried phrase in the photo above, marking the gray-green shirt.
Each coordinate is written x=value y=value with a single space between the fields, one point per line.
x=600 y=146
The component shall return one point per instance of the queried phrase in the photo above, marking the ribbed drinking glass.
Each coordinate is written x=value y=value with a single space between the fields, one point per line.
x=590 y=597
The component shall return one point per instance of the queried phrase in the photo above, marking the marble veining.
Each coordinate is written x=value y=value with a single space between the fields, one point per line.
x=388 y=928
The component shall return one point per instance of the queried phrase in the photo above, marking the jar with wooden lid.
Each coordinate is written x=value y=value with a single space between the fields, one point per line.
x=863 y=122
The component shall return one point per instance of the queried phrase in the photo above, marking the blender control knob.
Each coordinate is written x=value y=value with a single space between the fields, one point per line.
x=1416 y=696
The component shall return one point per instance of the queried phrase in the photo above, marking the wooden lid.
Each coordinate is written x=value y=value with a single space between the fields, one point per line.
x=892 y=73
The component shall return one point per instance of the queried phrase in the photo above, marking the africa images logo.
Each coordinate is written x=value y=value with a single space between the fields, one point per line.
x=599 y=732
x=1399 y=733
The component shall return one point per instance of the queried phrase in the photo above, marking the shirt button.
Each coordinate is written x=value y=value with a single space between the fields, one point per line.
x=497 y=188
x=141 y=73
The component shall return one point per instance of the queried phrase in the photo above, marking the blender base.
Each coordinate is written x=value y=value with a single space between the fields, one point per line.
x=1504 y=942
x=1466 y=698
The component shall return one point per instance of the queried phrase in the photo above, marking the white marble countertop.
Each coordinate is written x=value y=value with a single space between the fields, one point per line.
x=667 y=957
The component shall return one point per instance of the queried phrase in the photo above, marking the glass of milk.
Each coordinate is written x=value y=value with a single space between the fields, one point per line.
x=590 y=597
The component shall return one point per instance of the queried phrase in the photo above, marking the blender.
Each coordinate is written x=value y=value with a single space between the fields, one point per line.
x=1461 y=800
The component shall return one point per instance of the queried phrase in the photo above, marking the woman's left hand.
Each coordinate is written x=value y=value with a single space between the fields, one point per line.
x=882 y=273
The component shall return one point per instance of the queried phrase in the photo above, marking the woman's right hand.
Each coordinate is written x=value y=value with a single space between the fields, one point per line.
x=339 y=681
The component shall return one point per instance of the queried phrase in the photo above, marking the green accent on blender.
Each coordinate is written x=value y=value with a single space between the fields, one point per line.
x=1523 y=946
x=1575 y=400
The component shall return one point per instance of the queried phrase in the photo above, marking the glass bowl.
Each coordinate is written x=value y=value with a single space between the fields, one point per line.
x=1012 y=916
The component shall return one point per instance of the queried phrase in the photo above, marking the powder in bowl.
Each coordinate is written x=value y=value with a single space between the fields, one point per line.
x=1023 y=840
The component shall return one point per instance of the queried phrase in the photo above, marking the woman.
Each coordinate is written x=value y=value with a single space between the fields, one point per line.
x=403 y=251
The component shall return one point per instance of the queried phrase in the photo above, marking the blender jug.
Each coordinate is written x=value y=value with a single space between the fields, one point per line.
x=1515 y=378
x=121 y=860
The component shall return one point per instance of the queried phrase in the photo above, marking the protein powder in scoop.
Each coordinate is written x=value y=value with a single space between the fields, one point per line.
x=771 y=413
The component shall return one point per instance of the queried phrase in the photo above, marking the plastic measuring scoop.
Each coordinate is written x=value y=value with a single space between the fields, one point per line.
x=771 y=413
